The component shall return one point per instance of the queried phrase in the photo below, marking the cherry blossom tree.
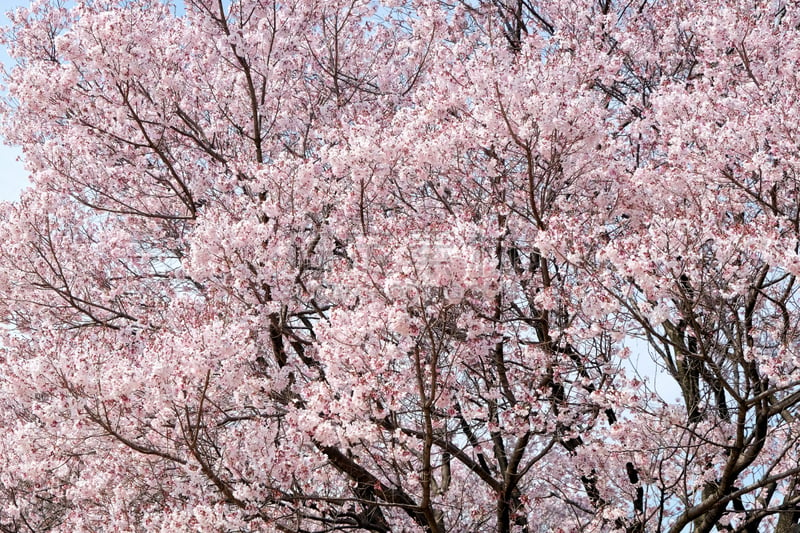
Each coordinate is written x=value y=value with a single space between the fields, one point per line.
x=381 y=266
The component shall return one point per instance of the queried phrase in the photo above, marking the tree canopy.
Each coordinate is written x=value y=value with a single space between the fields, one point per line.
x=340 y=265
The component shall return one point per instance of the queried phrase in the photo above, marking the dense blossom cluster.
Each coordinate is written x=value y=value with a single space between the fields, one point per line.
x=354 y=265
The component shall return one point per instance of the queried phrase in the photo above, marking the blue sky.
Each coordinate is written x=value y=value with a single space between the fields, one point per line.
x=12 y=173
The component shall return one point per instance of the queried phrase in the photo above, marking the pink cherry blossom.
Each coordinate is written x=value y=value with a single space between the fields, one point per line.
x=402 y=266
